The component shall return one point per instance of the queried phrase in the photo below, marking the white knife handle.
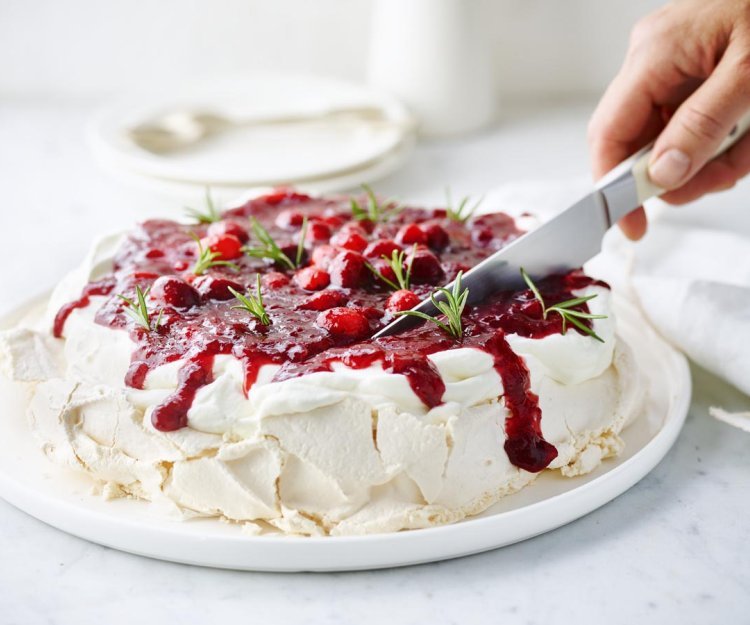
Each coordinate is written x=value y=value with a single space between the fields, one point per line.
x=647 y=189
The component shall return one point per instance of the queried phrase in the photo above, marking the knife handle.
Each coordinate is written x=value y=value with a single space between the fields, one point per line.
x=628 y=185
x=647 y=189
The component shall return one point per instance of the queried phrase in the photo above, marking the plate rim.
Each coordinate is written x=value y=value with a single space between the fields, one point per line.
x=592 y=494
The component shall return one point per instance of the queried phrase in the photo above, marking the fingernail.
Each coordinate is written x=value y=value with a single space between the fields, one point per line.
x=670 y=169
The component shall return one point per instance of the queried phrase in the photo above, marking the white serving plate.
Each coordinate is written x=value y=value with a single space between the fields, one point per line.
x=64 y=500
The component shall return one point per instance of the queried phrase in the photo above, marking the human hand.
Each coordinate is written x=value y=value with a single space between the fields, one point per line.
x=685 y=80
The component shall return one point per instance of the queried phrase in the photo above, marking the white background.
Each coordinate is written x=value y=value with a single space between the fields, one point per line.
x=546 y=48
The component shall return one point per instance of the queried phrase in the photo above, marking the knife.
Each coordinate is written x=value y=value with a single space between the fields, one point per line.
x=567 y=240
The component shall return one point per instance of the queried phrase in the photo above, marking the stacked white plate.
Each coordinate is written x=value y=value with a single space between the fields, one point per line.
x=327 y=152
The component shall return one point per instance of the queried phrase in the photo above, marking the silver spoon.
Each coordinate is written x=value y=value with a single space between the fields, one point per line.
x=182 y=129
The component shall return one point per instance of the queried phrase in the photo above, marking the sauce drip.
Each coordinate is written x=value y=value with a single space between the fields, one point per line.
x=199 y=332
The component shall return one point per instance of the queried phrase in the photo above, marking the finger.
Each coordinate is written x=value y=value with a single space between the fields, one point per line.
x=718 y=175
x=626 y=119
x=622 y=122
x=634 y=224
x=701 y=123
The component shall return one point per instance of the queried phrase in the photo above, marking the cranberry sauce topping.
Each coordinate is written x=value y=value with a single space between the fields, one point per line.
x=102 y=287
x=325 y=310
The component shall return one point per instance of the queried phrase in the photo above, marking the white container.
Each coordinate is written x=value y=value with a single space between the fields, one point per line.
x=435 y=56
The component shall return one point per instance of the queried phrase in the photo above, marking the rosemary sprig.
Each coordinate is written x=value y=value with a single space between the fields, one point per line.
x=396 y=263
x=301 y=242
x=374 y=211
x=464 y=210
x=252 y=303
x=208 y=259
x=268 y=248
x=452 y=307
x=207 y=216
x=565 y=309
x=137 y=310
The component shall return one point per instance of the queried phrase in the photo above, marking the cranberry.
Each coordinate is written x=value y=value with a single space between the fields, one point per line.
x=318 y=231
x=425 y=267
x=227 y=246
x=401 y=300
x=285 y=196
x=213 y=287
x=371 y=313
x=437 y=237
x=289 y=219
x=384 y=268
x=482 y=236
x=410 y=234
x=228 y=226
x=380 y=248
x=350 y=240
x=348 y=269
x=344 y=322
x=323 y=255
x=312 y=278
x=364 y=226
x=143 y=275
x=174 y=292
x=274 y=280
x=500 y=223
x=290 y=249
x=181 y=265
x=532 y=308
x=335 y=221
x=154 y=253
x=324 y=300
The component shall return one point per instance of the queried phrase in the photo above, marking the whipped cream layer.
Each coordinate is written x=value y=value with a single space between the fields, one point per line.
x=345 y=451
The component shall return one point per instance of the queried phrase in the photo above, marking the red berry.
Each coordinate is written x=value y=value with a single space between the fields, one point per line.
x=312 y=278
x=348 y=269
x=350 y=240
x=318 y=231
x=174 y=292
x=212 y=287
x=384 y=268
x=425 y=267
x=410 y=234
x=333 y=220
x=344 y=322
x=371 y=313
x=380 y=248
x=324 y=300
x=355 y=226
x=437 y=237
x=180 y=265
x=285 y=196
x=137 y=276
x=228 y=226
x=227 y=246
x=323 y=255
x=401 y=300
x=482 y=236
x=274 y=280
x=364 y=225
x=289 y=219
x=290 y=249
x=532 y=308
x=154 y=253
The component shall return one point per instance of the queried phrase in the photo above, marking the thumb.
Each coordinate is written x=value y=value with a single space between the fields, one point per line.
x=702 y=122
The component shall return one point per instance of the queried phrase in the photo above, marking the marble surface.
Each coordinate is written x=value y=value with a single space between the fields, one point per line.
x=673 y=549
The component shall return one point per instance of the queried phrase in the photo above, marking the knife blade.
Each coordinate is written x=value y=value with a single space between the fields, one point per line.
x=567 y=240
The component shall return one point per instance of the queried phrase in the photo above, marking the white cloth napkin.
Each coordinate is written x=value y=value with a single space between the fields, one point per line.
x=690 y=274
